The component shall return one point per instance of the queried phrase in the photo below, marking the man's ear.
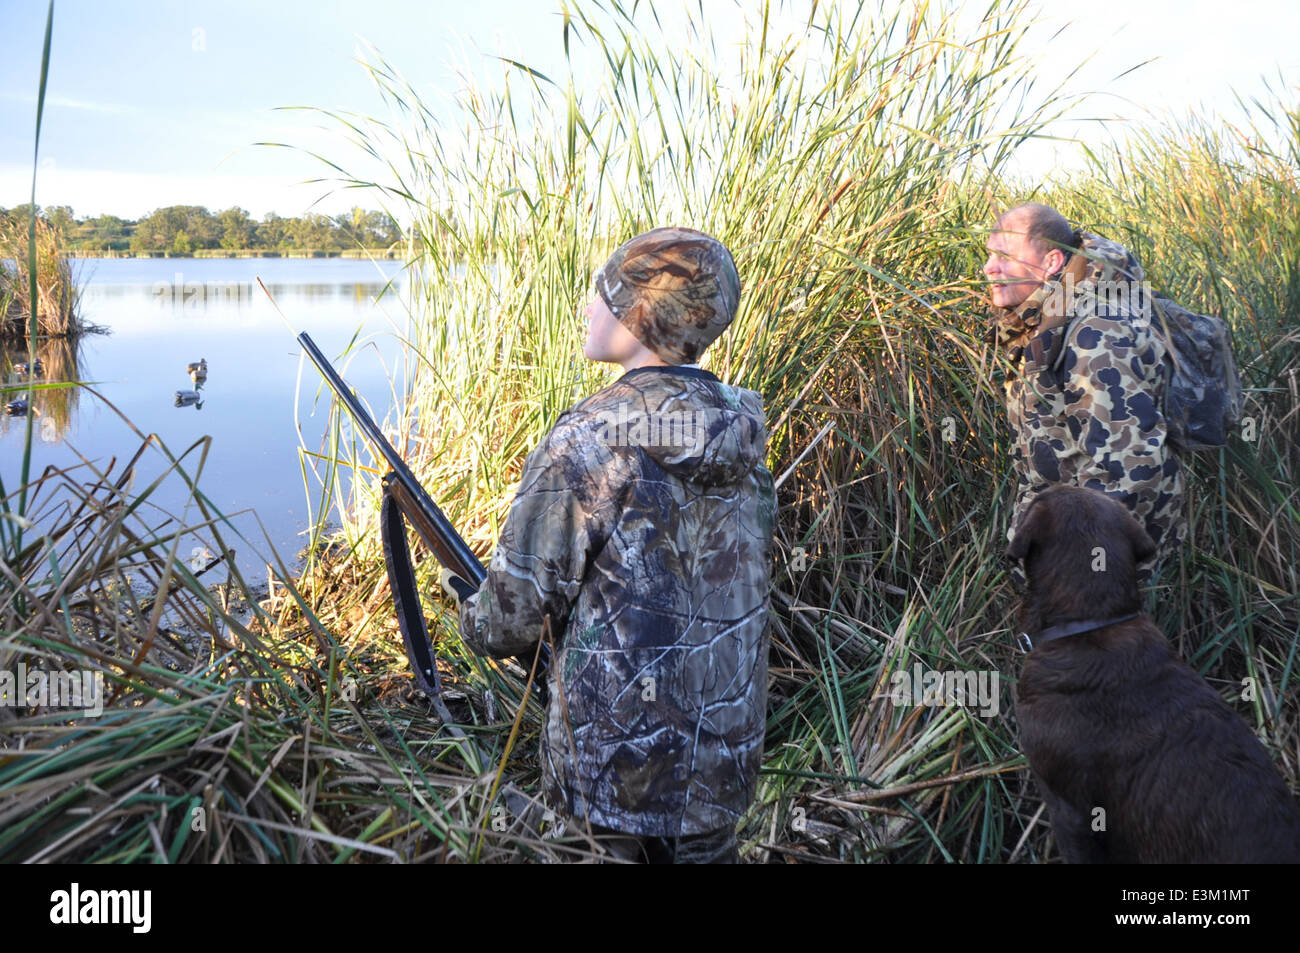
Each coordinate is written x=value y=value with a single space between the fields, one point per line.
x=1028 y=530
x=1053 y=262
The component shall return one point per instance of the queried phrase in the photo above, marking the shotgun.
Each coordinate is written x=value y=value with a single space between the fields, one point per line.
x=405 y=497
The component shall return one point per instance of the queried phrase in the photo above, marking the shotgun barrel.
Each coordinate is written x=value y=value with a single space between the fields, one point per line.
x=434 y=528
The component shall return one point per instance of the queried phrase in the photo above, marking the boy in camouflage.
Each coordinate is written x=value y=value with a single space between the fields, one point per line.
x=643 y=528
x=1086 y=393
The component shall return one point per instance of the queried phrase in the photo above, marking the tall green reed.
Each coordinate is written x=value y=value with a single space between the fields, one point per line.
x=33 y=320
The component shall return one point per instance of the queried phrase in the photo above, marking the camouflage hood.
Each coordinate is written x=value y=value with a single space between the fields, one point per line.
x=698 y=429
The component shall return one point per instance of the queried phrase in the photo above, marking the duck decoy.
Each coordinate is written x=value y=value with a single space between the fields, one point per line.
x=184 y=398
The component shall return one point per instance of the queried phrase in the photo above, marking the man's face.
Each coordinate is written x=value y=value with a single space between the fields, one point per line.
x=1015 y=269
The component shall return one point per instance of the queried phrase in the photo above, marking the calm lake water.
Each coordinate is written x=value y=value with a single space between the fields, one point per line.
x=166 y=313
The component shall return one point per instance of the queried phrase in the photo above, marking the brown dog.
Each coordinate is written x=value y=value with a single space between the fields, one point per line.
x=1139 y=760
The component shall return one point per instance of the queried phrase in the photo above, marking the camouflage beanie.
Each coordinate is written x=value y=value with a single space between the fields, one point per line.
x=675 y=289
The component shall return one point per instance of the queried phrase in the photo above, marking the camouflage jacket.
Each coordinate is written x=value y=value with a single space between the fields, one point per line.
x=1086 y=393
x=643 y=527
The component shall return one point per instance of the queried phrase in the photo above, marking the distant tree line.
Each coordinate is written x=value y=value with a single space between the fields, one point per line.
x=184 y=229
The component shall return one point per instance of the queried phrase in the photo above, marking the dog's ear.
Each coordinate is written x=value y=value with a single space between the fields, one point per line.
x=1028 y=530
x=1019 y=547
x=1143 y=547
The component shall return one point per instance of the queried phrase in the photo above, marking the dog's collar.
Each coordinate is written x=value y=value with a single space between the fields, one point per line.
x=1063 y=629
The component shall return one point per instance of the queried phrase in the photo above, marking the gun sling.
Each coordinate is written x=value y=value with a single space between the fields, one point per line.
x=406 y=597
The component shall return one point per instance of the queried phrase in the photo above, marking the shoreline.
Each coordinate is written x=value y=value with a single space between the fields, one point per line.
x=357 y=253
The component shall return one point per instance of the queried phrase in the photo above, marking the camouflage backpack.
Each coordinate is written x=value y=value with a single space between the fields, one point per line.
x=1203 y=401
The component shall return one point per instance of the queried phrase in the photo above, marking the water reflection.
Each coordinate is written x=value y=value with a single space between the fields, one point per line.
x=54 y=408
x=188 y=398
x=181 y=294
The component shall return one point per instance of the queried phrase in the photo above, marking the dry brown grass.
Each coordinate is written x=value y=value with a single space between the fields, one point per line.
x=57 y=294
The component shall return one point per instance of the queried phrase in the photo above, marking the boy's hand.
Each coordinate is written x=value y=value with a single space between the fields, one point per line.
x=456 y=588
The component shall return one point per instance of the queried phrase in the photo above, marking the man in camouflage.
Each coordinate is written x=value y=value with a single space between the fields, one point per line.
x=643 y=529
x=1085 y=394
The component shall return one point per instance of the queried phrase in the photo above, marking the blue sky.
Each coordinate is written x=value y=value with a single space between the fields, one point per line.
x=153 y=103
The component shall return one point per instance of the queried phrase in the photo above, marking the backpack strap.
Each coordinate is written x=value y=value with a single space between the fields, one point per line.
x=410 y=615
x=406 y=597
x=1069 y=332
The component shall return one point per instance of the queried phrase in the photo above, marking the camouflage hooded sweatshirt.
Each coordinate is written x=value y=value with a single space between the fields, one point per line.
x=1086 y=393
x=643 y=526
